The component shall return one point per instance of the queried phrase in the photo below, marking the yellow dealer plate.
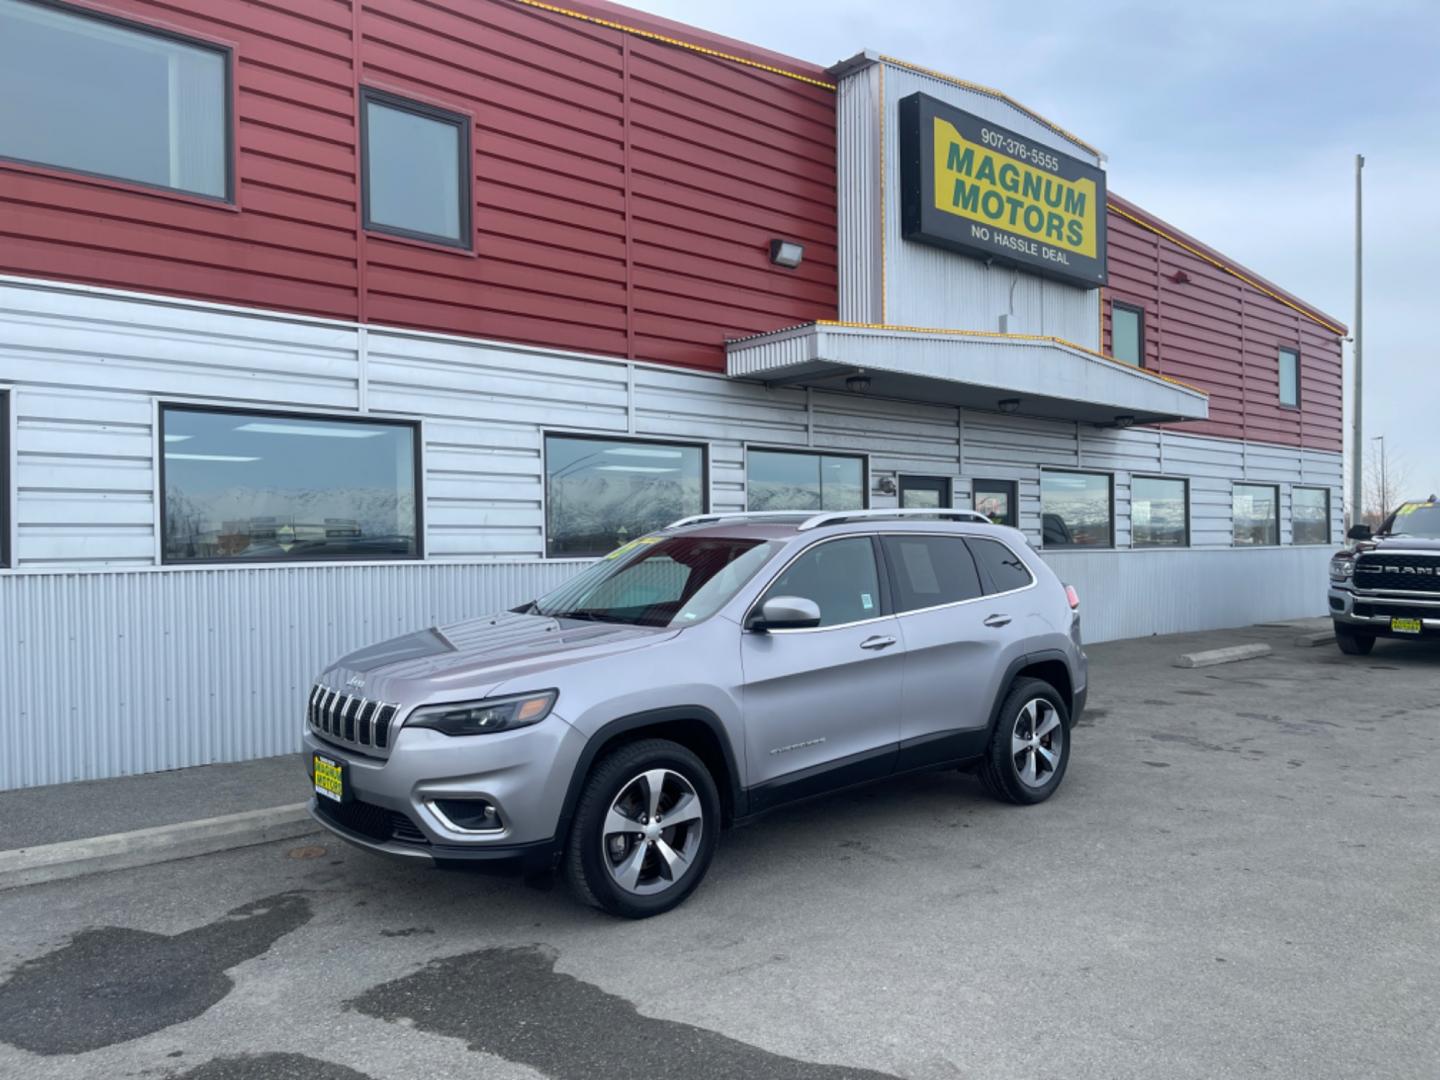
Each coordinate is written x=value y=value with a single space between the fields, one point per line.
x=329 y=778
x=1406 y=626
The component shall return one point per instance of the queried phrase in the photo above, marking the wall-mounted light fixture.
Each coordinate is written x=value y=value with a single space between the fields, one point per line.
x=1124 y=421
x=1180 y=277
x=885 y=486
x=858 y=384
x=1009 y=405
x=786 y=253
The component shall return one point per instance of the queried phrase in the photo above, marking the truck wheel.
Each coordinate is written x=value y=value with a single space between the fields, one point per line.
x=1352 y=643
x=644 y=831
x=1031 y=745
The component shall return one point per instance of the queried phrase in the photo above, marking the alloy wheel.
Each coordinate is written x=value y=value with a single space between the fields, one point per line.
x=652 y=831
x=1037 y=742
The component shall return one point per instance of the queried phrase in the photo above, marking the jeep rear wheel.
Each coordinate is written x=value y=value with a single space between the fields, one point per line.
x=1352 y=642
x=1031 y=746
x=644 y=829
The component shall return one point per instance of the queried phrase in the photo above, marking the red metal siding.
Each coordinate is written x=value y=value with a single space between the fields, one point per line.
x=1224 y=335
x=625 y=190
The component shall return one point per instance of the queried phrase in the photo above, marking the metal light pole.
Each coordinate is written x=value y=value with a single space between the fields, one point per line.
x=1384 y=480
x=1357 y=437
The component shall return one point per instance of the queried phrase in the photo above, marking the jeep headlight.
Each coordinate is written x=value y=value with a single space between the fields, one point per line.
x=1342 y=568
x=485 y=717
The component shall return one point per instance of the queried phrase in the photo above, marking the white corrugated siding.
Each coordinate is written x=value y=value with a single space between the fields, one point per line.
x=110 y=664
x=105 y=674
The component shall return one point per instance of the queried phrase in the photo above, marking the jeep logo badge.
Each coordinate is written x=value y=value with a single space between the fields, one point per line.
x=356 y=682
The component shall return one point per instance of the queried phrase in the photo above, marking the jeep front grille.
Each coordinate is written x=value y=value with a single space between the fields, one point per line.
x=1381 y=572
x=349 y=720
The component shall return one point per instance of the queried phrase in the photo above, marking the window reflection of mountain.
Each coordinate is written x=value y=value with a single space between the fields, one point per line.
x=372 y=521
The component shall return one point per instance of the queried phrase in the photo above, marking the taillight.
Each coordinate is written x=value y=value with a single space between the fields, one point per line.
x=1073 y=597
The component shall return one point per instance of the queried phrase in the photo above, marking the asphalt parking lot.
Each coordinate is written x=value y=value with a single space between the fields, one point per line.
x=1239 y=878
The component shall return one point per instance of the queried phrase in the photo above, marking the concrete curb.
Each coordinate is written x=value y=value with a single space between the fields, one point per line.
x=1320 y=637
x=144 y=847
x=1229 y=655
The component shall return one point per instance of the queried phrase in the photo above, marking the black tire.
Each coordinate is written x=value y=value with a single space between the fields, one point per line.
x=1353 y=643
x=588 y=855
x=1002 y=772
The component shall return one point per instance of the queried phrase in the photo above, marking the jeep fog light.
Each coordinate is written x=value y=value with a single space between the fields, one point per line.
x=485 y=717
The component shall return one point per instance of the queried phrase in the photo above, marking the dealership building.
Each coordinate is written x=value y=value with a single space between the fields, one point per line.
x=321 y=322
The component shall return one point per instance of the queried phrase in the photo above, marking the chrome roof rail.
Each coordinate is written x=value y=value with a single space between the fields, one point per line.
x=731 y=515
x=836 y=517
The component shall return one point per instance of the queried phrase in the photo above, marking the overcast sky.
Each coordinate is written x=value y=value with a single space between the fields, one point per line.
x=1236 y=120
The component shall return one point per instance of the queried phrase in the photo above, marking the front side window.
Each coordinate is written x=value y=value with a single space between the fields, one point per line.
x=797 y=480
x=416 y=160
x=1006 y=570
x=94 y=95
x=1310 y=515
x=659 y=581
x=928 y=571
x=269 y=487
x=1256 y=509
x=1075 y=509
x=1290 y=378
x=996 y=499
x=1159 y=514
x=840 y=576
x=601 y=493
x=1127 y=334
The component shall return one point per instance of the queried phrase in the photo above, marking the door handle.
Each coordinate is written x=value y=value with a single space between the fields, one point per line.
x=997 y=621
x=877 y=643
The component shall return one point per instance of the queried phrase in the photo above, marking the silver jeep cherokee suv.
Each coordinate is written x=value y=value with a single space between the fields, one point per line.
x=697 y=677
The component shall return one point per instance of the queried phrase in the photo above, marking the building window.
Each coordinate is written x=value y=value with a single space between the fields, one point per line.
x=603 y=492
x=1127 y=333
x=92 y=94
x=416 y=161
x=1290 y=378
x=1256 y=514
x=280 y=487
x=1310 y=515
x=1159 y=512
x=925 y=493
x=797 y=480
x=997 y=500
x=1076 y=509
x=929 y=571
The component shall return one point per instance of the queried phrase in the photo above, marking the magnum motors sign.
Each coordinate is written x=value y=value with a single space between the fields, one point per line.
x=978 y=188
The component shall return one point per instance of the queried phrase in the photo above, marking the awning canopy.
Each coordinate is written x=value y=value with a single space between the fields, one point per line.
x=1032 y=375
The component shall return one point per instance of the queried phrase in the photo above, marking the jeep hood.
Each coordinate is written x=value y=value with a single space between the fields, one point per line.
x=471 y=658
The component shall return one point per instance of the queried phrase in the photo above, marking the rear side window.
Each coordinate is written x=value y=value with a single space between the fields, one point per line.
x=1006 y=570
x=839 y=575
x=927 y=571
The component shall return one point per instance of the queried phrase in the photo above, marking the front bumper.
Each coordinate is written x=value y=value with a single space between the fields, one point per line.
x=524 y=774
x=1372 y=612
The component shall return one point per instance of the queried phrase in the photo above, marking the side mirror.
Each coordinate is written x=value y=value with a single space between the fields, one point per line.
x=1361 y=532
x=786 y=613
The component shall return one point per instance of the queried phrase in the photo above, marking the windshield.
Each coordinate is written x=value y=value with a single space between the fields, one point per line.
x=659 y=581
x=1415 y=519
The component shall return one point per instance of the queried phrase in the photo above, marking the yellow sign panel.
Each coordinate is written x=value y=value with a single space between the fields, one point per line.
x=987 y=186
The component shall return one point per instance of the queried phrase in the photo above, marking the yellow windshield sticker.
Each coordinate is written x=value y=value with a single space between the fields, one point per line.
x=625 y=549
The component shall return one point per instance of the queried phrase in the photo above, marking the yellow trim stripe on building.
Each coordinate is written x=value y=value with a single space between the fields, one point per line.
x=1227 y=269
x=999 y=95
x=1045 y=338
x=663 y=39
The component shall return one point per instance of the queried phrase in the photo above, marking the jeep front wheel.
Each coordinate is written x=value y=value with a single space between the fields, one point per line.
x=644 y=829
